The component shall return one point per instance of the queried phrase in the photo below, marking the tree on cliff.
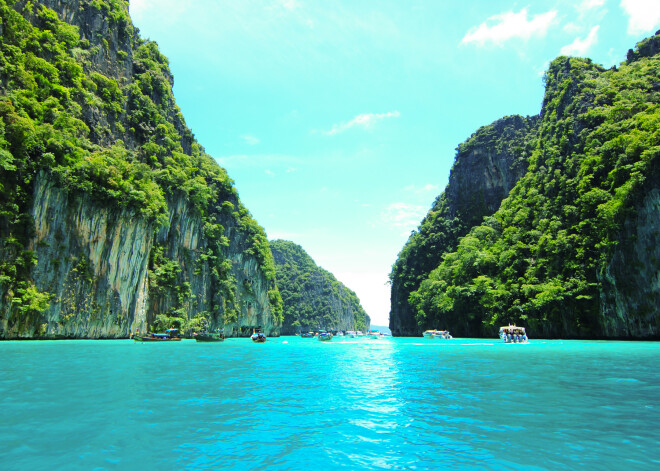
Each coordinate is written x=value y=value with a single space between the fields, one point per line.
x=545 y=258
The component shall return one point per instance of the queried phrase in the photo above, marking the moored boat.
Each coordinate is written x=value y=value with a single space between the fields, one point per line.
x=373 y=334
x=258 y=336
x=437 y=334
x=513 y=334
x=170 y=335
x=324 y=336
x=307 y=335
x=209 y=336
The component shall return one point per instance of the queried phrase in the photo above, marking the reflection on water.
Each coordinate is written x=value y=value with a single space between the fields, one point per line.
x=357 y=404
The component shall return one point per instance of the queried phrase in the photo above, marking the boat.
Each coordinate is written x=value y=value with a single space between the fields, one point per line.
x=351 y=334
x=209 y=336
x=307 y=335
x=324 y=336
x=513 y=334
x=170 y=335
x=437 y=334
x=258 y=336
x=373 y=334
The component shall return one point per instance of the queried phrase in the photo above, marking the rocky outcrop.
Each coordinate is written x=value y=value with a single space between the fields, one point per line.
x=121 y=221
x=487 y=166
x=572 y=250
x=631 y=282
x=93 y=261
x=313 y=298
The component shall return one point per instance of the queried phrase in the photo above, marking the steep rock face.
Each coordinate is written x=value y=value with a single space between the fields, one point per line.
x=487 y=166
x=572 y=250
x=112 y=216
x=313 y=298
x=186 y=244
x=94 y=263
x=631 y=282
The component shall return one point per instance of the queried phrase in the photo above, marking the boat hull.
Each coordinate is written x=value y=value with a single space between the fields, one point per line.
x=209 y=338
x=139 y=338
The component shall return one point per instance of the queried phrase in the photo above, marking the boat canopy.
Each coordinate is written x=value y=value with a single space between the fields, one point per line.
x=512 y=329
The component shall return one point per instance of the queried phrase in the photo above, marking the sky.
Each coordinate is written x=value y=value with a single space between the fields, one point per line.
x=338 y=120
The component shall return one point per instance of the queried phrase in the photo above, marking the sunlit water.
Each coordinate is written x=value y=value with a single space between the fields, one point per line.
x=301 y=404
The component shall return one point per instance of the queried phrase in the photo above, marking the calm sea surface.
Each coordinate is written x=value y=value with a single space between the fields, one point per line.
x=301 y=404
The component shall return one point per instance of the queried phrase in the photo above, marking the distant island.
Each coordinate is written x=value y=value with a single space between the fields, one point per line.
x=312 y=297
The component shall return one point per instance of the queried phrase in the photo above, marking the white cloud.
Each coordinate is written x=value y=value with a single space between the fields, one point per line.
x=644 y=15
x=365 y=121
x=250 y=140
x=289 y=4
x=428 y=188
x=404 y=215
x=586 y=5
x=573 y=28
x=505 y=26
x=580 y=47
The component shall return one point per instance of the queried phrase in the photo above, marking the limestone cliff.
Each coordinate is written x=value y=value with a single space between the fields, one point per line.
x=572 y=250
x=487 y=166
x=313 y=298
x=113 y=218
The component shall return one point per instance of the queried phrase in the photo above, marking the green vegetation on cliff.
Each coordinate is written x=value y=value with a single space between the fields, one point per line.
x=540 y=260
x=94 y=110
x=312 y=297
x=499 y=154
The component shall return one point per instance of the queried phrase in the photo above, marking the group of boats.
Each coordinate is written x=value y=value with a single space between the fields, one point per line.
x=324 y=335
x=173 y=335
x=508 y=334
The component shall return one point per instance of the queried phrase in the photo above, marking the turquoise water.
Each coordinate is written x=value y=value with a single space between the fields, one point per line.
x=294 y=404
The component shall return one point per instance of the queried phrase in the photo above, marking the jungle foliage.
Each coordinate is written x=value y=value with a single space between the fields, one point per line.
x=98 y=115
x=312 y=297
x=539 y=259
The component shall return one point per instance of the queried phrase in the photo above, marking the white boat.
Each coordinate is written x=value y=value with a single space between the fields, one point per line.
x=351 y=334
x=373 y=334
x=513 y=334
x=437 y=334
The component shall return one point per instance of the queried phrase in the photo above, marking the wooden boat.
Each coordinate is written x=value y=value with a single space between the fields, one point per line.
x=209 y=336
x=258 y=336
x=324 y=336
x=513 y=334
x=307 y=335
x=170 y=335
